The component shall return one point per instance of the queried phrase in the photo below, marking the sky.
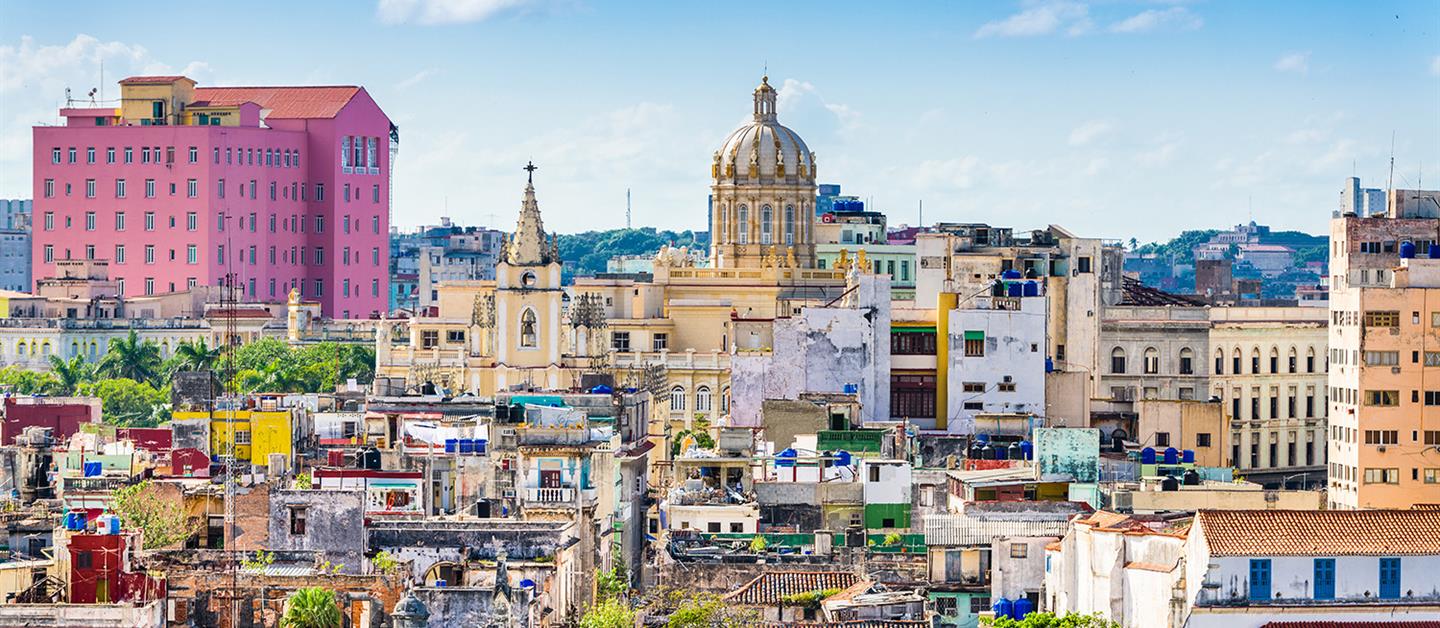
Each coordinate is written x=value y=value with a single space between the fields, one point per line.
x=1114 y=119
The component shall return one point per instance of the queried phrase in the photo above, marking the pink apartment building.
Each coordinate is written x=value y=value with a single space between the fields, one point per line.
x=285 y=187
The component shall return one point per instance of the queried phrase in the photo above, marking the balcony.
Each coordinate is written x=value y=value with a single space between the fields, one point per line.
x=851 y=440
x=553 y=436
x=713 y=360
x=550 y=495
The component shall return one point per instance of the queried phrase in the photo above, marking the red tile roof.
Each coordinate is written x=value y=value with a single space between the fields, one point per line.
x=283 y=102
x=1320 y=532
x=769 y=588
x=153 y=80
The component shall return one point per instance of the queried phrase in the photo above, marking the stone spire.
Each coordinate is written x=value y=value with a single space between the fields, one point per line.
x=765 y=97
x=528 y=245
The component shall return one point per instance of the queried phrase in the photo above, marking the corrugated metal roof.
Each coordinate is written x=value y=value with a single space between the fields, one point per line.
x=964 y=530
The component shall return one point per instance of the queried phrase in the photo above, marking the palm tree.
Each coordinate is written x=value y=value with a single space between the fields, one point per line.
x=132 y=358
x=196 y=356
x=71 y=373
x=311 y=607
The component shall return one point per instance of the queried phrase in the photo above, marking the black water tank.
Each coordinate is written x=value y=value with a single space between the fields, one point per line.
x=1170 y=484
x=976 y=451
x=369 y=458
x=1192 y=477
x=987 y=452
x=1016 y=452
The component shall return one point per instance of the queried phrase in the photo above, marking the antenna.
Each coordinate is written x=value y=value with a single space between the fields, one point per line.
x=627 y=208
x=1391 y=183
x=921 y=219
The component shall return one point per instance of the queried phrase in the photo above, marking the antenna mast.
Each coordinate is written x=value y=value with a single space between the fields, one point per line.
x=627 y=208
x=231 y=401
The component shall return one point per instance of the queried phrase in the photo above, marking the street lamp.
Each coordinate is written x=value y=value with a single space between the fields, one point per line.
x=1303 y=475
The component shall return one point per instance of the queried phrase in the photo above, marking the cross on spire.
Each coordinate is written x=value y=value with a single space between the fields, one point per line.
x=530 y=169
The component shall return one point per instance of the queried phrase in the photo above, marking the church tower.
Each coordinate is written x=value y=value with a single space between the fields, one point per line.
x=528 y=298
x=763 y=193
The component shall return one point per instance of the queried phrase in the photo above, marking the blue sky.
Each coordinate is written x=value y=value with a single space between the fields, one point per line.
x=1114 y=119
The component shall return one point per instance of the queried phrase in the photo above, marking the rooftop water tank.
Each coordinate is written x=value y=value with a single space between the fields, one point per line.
x=1015 y=451
x=1010 y=274
x=976 y=451
x=1015 y=289
x=1028 y=449
x=1021 y=608
x=1192 y=477
x=1434 y=251
x=1407 y=250
x=452 y=445
x=1032 y=289
x=1001 y=453
x=1147 y=455
x=1187 y=456
x=842 y=458
x=1172 y=455
x=987 y=452
x=786 y=458
x=466 y=446
x=1002 y=607
x=1169 y=483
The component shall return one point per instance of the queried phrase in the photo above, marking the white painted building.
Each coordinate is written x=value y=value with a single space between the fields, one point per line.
x=997 y=359
x=886 y=481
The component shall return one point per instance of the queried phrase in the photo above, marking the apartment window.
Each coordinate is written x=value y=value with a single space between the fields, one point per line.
x=149 y=188
x=55 y=155
x=974 y=344
x=129 y=155
x=320 y=224
x=119 y=188
x=660 y=341
x=620 y=341
x=119 y=221
x=89 y=221
x=374 y=287
x=90 y=155
x=1382 y=437
x=1117 y=361
x=375 y=224
x=429 y=339
x=149 y=285
x=297 y=520
x=319 y=256
x=375 y=193
x=119 y=253
x=1082 y=265
x=319 y=192
x=1187 y=362
x=1019 y=550
x=1382 y=397
x=347 y=192
x=1382 y=358
x=89 y=188
x=70 y=155
x=149 y=221
x=192 y=254
x=1202 y=439
x=192 y=221
x=1152 y=361
x=149 y=253
x=1385 y=318
x=49 y=253
x=192 y=188
x=1162 y=439
x=455 y=336
x=1382 y=476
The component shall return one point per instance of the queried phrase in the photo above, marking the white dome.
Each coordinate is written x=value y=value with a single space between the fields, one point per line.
x=766 y=144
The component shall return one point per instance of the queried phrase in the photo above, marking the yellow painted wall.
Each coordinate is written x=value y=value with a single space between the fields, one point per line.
x=946 y=301
x=223 y=427
x=270 y=433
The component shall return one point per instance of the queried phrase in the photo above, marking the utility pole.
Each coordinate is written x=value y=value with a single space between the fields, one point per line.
x=627 y=208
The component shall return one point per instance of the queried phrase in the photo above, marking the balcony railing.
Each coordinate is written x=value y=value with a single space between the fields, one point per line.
x=712 y=360
x=550 y=495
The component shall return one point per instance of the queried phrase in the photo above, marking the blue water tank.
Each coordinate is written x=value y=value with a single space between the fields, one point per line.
x=1032 y=289
x=1002 y=607
x=480 y=444
x=1010 y=274
x=842 y=458
x=1049 y=364
x=452 y=445
x=1028 y=449
x=1021 y=609
x=984 y=438
x=1172 y=455
x=852 y=389
x=93 y=469
x=602 y=390
x=1147 y=455
x=1015 y=289
x=467 y=446
x=1187 y=456
x=440 y=583
x=786 y=458
x=526 y=583
x=1407 y=250
x=1434 y=251
x=1002 y=453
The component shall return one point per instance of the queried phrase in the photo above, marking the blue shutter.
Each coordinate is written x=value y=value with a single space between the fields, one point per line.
x=1324 y=578
x=1260 y=579
x=1390 y=577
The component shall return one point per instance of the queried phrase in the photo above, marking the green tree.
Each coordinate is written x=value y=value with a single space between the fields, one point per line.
x=707 y=611
x=70 y=374
x=1050 y=620
x=261 y=353
x=609 y=613
x=128 y=403
x=23 y=381
x=132 y=358
x=196 y=356
x=311 y=607
x=612 y=583
x=161 y=521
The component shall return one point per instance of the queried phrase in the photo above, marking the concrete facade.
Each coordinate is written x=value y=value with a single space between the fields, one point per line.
x=997 y=359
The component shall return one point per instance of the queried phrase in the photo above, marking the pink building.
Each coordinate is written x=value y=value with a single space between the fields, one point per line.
x=285 y=187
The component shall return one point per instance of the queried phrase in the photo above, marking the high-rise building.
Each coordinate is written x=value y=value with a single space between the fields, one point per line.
x=1384 y=360
x=15 y=244
x=286 y=188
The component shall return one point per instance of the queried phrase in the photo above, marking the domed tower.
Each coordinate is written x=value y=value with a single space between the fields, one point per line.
x=763 y=207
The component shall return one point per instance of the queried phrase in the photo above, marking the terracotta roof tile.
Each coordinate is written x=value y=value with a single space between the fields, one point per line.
x=284 y=102
x=1320 y=532
x=769 y=588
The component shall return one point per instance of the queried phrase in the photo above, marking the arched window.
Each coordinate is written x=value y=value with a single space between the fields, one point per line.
x=789 y=225
x=725 y=400
x=677 y=399
x=724 y=223
x=1219 y=361
x=1187 y=361
x=1294 y=365
x=1274 y=360
x=1152 y=361
x=1255 y=360
x=20 y=349
x=528 y=336
x=767 y=226
x=74 y=348
x=744 y=215
x=45 y=348
x=1235 y=362
x=1310 y=360
x=702 y=399
x=1117 y=361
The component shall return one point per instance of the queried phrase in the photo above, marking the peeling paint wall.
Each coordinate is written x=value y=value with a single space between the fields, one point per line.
x=1014 y=348
x=334 y=525
x=1069 y=451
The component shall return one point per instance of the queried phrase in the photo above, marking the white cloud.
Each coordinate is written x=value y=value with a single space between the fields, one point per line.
x=1341 y=153
x=1163 y=151
x=1155 y=19
x=1096 y=166
x=416 y=78
x=795 y=96
x=1297 y=62
x=1042 y=19
x=1435 y=66
x=1088 y=132
x=956 y=173
x=33 y=80
x=432 y=12
x=1305 y=136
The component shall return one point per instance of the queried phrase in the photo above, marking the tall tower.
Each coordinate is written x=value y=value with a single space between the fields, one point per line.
x=764 y=193
x=528 y=301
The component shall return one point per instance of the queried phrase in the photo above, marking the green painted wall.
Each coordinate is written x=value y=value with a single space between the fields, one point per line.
x=876 y=514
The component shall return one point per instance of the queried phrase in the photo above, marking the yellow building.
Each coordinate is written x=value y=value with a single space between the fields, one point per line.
x=255 y=434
